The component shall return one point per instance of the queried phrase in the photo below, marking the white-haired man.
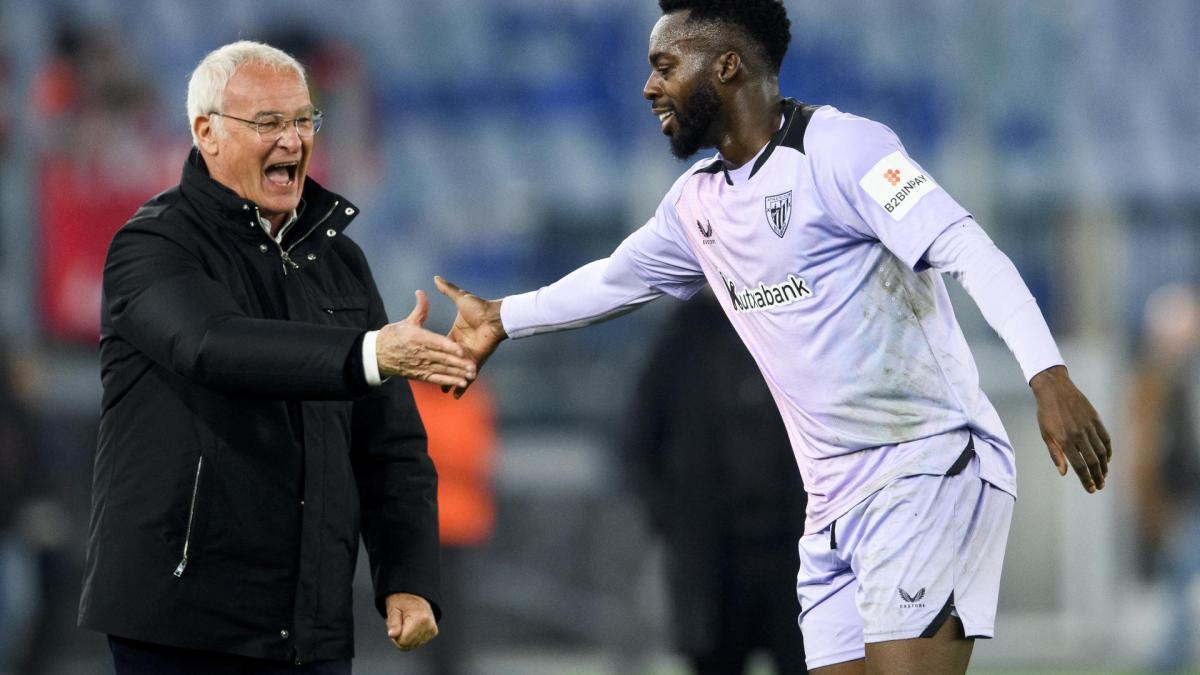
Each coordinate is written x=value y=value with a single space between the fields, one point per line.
x=248 y=430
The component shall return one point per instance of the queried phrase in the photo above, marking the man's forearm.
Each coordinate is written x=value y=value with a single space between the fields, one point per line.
x=593 y=293
x=966 y=252
x=273 y=358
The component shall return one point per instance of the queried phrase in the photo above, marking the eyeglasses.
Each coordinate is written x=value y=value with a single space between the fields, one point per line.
x=271 y=126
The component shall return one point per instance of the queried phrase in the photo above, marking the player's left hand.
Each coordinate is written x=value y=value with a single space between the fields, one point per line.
x=1071 y=428
x=410 y=621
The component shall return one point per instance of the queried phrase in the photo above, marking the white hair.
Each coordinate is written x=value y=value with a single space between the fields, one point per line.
x=206 y=86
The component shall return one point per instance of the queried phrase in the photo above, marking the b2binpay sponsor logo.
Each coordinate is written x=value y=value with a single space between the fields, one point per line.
x=904 y=191
x=896 y=184
x=764 y=297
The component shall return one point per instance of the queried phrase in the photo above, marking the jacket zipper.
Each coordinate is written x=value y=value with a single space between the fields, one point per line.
x=286 y=259
x=314 y=227
x=187 y=537
x=284 y=254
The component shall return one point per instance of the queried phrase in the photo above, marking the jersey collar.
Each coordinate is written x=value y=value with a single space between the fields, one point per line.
x=791 y=134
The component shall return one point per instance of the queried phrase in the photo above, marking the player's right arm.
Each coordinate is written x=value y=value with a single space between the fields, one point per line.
x=652 y=261
x=1069 y=423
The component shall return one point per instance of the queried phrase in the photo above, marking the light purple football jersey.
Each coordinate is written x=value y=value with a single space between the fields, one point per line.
x=814 y=250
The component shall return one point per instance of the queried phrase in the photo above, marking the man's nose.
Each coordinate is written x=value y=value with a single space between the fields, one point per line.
x=290 y=138
x=651 y=90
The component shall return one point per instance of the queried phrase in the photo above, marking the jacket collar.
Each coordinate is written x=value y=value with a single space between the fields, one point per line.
x=214 y=199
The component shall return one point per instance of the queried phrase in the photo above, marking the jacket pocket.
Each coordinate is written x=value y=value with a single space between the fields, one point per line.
x=345 y=310
x=191 y=519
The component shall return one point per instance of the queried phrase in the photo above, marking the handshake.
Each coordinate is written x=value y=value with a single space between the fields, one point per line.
x=406 y=349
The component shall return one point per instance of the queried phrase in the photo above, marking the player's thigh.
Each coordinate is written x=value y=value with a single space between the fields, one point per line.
x=921 y=550
x=946 y=653
x=927 y=548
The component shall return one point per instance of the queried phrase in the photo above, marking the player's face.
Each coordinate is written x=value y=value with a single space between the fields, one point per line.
x=680 y=87
x=269 y=172
x=694 y=121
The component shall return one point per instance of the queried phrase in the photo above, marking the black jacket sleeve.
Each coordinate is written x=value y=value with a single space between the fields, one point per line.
x=161 y=300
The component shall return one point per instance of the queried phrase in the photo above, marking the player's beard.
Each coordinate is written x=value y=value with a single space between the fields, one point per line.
x=694 y=120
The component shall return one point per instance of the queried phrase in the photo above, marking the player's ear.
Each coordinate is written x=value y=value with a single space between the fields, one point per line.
x=728 y=66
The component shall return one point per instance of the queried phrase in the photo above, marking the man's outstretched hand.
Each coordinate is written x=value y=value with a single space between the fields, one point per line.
x=1071 y=428
x=406 y=349
x=477 y=328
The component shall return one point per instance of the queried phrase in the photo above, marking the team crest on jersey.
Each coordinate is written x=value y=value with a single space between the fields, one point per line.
x=779 y=212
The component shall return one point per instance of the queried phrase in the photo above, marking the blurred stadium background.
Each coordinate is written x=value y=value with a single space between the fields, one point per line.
x=501 y=143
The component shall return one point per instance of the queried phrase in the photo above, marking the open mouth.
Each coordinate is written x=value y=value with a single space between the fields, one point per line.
x=664 y=117
x=282 y=174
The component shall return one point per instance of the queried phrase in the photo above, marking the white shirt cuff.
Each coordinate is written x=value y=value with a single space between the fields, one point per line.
x=370 y=361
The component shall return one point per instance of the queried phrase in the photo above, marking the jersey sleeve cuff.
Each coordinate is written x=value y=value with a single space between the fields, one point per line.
x=517 y=314
x=1030 y=341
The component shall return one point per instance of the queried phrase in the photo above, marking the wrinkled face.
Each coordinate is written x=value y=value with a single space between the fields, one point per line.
x=269 y=173
x=680 y=87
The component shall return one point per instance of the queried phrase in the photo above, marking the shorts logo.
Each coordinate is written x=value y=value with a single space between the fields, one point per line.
x=896 y=184
x=706 y=230
x=779 y=211
x=766 y=297
x=913 y=600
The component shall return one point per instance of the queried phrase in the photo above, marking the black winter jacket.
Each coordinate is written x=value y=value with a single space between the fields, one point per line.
x=240 y=447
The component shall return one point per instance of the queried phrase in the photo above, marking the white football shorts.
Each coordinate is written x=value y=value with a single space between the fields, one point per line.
x=902 y=561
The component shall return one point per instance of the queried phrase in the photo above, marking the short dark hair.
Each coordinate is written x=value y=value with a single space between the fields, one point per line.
x=764 y=21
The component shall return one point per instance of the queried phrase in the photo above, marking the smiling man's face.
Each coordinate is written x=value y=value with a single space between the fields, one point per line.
x=680 y=86
x=269 y=173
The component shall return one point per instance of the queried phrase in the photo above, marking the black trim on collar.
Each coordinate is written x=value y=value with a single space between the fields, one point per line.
x=715 y=166
x=796 y=116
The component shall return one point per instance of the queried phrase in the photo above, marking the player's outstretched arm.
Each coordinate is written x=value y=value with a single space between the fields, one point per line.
x=477 y=327
x=1071 y=428
x=406 y=349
